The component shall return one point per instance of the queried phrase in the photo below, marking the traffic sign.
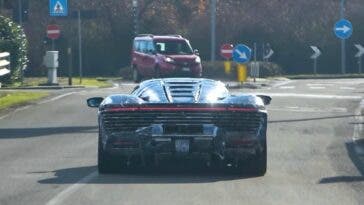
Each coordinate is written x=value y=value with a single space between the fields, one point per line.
x=360 y=50
x=53 y=31
x=343 y=29
x=270 y=54
x=58 y=7
x=316 y=51
x=226 y=51
x=242 y=53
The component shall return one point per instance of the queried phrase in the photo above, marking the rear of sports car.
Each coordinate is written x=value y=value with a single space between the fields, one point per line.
x=151 y=134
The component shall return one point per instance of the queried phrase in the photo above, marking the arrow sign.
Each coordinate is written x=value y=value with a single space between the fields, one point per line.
x=242 y=53
x=316 y=51
x=361 y=50
x=343 y=29
x=270 y=53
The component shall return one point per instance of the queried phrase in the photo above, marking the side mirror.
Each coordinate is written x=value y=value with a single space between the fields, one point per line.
x=266 y=99
x=196 y=52
x=94 y=102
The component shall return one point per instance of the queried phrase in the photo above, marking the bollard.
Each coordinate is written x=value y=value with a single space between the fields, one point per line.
x=227 y=65
x=242 y=73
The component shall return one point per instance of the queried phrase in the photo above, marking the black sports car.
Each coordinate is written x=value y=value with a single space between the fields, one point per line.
x=182 y=118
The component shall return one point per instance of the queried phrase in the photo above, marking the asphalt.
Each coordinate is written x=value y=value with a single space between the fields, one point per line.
x=48 y=154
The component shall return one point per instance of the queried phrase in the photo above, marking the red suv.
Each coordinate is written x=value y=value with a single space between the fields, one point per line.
x=159 y=56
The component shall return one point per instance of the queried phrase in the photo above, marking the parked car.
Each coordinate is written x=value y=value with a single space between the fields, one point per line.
x=161 y=56
x=182 y=118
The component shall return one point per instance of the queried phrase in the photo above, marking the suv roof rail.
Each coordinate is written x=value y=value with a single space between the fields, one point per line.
x=143 y=35
x=175 y=35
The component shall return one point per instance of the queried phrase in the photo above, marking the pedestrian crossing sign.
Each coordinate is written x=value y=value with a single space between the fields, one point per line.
x=58 y=7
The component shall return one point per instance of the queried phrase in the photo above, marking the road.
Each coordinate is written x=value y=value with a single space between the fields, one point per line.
x=48 y=154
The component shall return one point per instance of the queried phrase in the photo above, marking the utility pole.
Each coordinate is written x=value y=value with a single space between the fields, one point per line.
x=80 y=44
x=213 y=29
x=136 y=17
x=343 y=47
x=20 y=12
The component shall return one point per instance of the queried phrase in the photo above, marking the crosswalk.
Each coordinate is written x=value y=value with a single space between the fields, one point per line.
x=312 y=86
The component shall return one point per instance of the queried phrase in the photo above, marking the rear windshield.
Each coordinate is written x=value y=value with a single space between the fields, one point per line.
x=173 y=47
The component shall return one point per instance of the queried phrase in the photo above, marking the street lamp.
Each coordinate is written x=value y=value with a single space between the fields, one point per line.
x=135 y=14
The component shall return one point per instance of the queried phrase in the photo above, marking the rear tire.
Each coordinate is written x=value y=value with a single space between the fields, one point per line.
x=259 y=162
x=106 y=164
x=157 y=72
x=136 y=76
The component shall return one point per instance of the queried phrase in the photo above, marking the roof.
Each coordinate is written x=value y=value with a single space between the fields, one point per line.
x=159 y=37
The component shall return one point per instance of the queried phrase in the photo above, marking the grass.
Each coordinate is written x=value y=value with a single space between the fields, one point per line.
x=63 y=81
x=11 y=99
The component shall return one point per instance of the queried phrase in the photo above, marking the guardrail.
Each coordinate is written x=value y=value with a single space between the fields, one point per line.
x=4 y=64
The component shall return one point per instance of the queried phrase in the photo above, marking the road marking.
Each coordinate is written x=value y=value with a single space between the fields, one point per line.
x=61 y=196
x=309 y=109
x=282 y=83
x=317 y=87
x=347 y=88
x=56 y=98
x=287 y=87
x=4 y=116
x=316 y=96
x=319 y=84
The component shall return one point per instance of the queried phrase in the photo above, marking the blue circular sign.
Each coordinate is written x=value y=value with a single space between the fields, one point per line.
x=242 y=53
x=343 y=29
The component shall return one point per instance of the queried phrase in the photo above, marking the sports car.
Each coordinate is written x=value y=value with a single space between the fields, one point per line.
x=180 y=119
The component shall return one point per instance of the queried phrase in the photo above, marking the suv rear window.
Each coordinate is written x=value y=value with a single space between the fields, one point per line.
x=173 y=47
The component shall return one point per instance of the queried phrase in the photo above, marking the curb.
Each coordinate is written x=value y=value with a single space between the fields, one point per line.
x=42 y=88
x=243 y=85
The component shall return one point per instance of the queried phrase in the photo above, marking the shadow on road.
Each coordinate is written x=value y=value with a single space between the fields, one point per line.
x=38 y=132
x=356 y=154
x=155 y=176
x=313 y=119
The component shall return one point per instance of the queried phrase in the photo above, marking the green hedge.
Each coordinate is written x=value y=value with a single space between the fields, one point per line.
x=13 y=40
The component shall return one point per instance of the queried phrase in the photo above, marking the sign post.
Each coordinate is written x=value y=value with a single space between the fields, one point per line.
x=226 y=51
x=242 y=54
x=359 y=56
x=315 y=56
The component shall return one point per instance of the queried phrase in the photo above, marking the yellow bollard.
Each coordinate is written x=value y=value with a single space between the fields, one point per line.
x=242 y=73
x=227 y=65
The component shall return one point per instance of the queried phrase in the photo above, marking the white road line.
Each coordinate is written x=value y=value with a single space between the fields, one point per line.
x=287 y=87
x=317 y=87
x=309 y=109
x=22 y=108
x=315 y=96
x=347 y=88
x=4 y=116
x=283 y=83
x=60 y=197
x=56 y=98
x=319 y=84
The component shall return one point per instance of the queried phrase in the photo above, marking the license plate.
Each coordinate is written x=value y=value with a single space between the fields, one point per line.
x=182 y=146
x=185 y=69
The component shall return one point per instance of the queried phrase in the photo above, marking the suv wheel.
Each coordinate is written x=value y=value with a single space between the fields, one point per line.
x=136 y=76
x=157 y=72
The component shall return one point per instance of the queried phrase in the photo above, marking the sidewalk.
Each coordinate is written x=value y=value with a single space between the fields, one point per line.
x=250 y=84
